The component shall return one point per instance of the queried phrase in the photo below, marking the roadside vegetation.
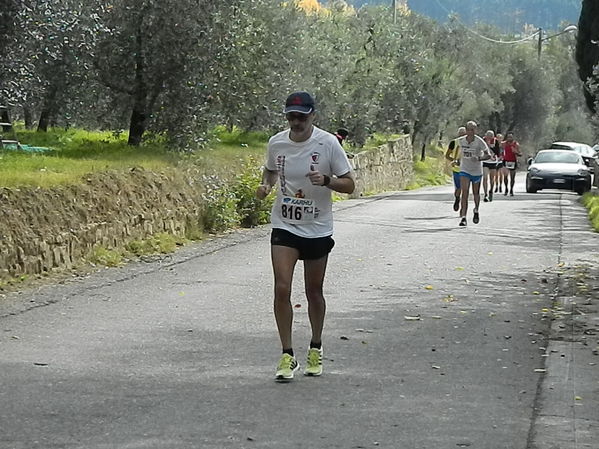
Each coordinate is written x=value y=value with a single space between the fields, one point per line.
x=591 y=202
x=432 y=171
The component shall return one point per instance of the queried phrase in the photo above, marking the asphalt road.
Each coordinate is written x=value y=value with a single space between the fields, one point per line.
x=437 y=337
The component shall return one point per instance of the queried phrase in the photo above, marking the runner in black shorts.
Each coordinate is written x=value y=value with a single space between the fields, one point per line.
x=308 y=248
x=308 y=164
x=490 y=166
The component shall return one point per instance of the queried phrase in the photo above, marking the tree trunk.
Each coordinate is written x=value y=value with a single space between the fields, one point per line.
x=139 y=115
x=42 y=125
x=498 y=124
x=137 y=126
x=48 y=110
x=415 y=131
x=28 y=117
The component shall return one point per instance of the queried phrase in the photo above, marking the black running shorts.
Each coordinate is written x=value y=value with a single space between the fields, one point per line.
x=309 y=249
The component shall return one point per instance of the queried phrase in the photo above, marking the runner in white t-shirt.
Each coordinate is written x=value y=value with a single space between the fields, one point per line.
x=308 y=163
x=474 y=151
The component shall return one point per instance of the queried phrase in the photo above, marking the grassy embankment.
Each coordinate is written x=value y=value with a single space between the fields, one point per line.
x=75 y=153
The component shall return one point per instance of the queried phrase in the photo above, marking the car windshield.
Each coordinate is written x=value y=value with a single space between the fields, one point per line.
x=580 y=148
x=557 y=156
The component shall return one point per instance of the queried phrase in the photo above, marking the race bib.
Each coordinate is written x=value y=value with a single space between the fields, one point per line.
x=297 y=210
x=510 y=165
x=470 y=153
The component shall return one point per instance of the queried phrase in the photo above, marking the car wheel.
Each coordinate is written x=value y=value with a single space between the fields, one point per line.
x=529 y=187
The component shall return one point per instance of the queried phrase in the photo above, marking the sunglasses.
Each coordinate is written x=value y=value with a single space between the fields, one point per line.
x=296 y=116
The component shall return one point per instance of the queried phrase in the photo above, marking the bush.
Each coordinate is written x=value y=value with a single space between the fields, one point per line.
x=591 y=202
x=162 y=243
x=106 y=257
x=430 y=172
x=251 y=211
x=220 y=205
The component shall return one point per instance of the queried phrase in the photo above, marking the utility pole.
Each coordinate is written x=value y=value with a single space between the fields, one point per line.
x=568 y=29
x=394 y=12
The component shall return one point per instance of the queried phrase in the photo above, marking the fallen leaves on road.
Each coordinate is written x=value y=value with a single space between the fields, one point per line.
x=429 y=287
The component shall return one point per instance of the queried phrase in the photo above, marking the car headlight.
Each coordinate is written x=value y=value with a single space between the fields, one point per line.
x=534 y=171
x=583 y=171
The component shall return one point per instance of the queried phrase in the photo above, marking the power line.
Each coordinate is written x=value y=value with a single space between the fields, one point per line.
x=496 y=41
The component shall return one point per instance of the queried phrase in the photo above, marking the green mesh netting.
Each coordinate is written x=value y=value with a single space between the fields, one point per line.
x=23 y=147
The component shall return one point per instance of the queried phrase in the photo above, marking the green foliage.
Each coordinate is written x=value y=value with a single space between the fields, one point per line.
x=106 y=257
x=112 y=66
x=430 y=172
x=251 y=210
x=161 y=243
x=75 y=153
x=231 y=203
x=220 y=205
x=237 y=136
x=591 y=202
x=378 y=139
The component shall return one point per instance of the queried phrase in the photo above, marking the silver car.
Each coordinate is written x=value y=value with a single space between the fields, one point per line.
x=589 y=155
x=558 y=169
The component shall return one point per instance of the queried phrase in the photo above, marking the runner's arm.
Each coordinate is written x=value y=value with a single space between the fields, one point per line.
x=449 y=152
x=269 y=179
x=517 y=151
x=343 y=184
x=486 y=154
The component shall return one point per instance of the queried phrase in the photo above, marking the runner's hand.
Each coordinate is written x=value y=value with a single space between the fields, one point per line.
x=316 y=178
x=262 y=191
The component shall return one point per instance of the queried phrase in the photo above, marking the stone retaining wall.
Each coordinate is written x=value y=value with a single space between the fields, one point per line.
x=386 y=168
x=46 y=229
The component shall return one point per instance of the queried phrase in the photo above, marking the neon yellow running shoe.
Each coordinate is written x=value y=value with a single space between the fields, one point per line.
x=286 y=367
x=314 y=363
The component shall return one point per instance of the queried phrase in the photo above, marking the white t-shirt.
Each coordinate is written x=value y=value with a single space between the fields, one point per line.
x=471 y=152
x=301 y=208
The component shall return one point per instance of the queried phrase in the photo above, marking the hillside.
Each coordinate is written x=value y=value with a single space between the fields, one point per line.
x=509 y=15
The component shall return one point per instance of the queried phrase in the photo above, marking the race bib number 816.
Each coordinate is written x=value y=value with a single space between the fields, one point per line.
x=297 y=210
